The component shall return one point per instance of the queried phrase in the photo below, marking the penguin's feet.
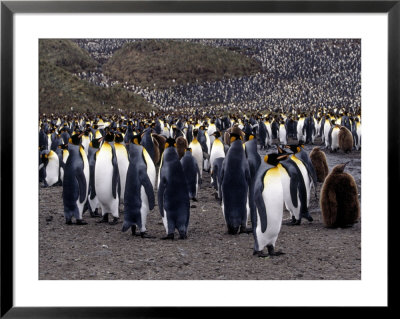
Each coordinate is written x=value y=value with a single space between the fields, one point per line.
x=114 y=221
x=104 y=219
x=95 y=213
x=182 y=236
x=272 y=252
x=294 y=222
x=80 y=222
x=169 y=236
x=146 y=235
x=194 y=199
x=245 y=230
x=133 y=229
x=68 y=222
x=260 y=254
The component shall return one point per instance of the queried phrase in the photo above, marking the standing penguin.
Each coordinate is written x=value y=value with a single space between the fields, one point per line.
x=173 y=195
x=268 y=195
x=339 y=202
x=123 y=161
x=235 y=181
x=139 y=190
x=345 y=139
x=217 y=149
x=334 y=137
x=282 y=133
x=320 y=164
x=106 y=177
x=192 y=174
x=50 y=171
x=94 y=204
x=76 y=181
x=197 y=151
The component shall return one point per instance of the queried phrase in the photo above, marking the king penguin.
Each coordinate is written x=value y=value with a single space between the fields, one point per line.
x=139 y=196
x=76 y=181
x=235 y=182
x=217 y=149
x=173 y=195
x=94 y=204
x=268 y=195
x=197 y=151
x=192 y=174
x=51 y=168
x=340 y=206
x=106 y=177
x=123 y=161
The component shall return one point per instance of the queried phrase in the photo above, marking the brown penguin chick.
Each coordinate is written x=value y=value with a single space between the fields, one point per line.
x=181 y=146
x=159 y=141
x=318 y=159
x=339 y=202
x=345 y=139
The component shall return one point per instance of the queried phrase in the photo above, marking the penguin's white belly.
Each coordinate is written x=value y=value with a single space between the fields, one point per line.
x=273 y=199
x=335 y=139
x=165 y=221
x=151 y=168
x=52 y=170
x=144 y=209
x=216 y=151
x=103 y=184
x=282 y=135
x=327 y=128
x=198 y=155
x=123 y=164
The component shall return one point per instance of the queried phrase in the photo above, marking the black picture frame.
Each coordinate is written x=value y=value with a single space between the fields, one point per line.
x=9 y=8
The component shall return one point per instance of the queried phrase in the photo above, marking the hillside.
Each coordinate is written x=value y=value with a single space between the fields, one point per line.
x=59 y=90
x=66 y=54
x=167 y=63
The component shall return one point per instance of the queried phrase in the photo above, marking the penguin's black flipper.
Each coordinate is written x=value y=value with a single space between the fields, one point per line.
x=92 y=188
x=148 y=188
x=116 y=186
x=262 y=211
x=80 y=178
x=160 y=193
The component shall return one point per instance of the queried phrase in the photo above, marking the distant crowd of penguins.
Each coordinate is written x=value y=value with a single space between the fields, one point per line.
x=135 y=159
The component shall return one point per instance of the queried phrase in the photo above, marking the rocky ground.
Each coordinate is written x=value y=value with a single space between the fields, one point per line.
x=103 y=252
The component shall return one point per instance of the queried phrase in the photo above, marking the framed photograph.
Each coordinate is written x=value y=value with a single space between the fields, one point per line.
x=49 y=268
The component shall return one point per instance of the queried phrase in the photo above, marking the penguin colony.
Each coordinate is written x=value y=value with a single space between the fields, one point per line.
x=105 y=162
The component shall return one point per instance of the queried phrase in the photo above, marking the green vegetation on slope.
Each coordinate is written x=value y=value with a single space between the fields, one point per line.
x=59 y=89
x=168 y=63
x=66 y=54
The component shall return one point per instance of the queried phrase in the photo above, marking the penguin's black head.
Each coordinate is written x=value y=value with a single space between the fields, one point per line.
x=95 y=143
x=76 y=138
x=118 y=137
x=136 y=139
x=235 y=137
x=195 y=132
x=170 y=142
x=216 y=134
x=63 y=146
x=45 y=157
x=274 y=158
x=188 y=149
x=109 y=136
x=250 y=137
x=294 y=148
